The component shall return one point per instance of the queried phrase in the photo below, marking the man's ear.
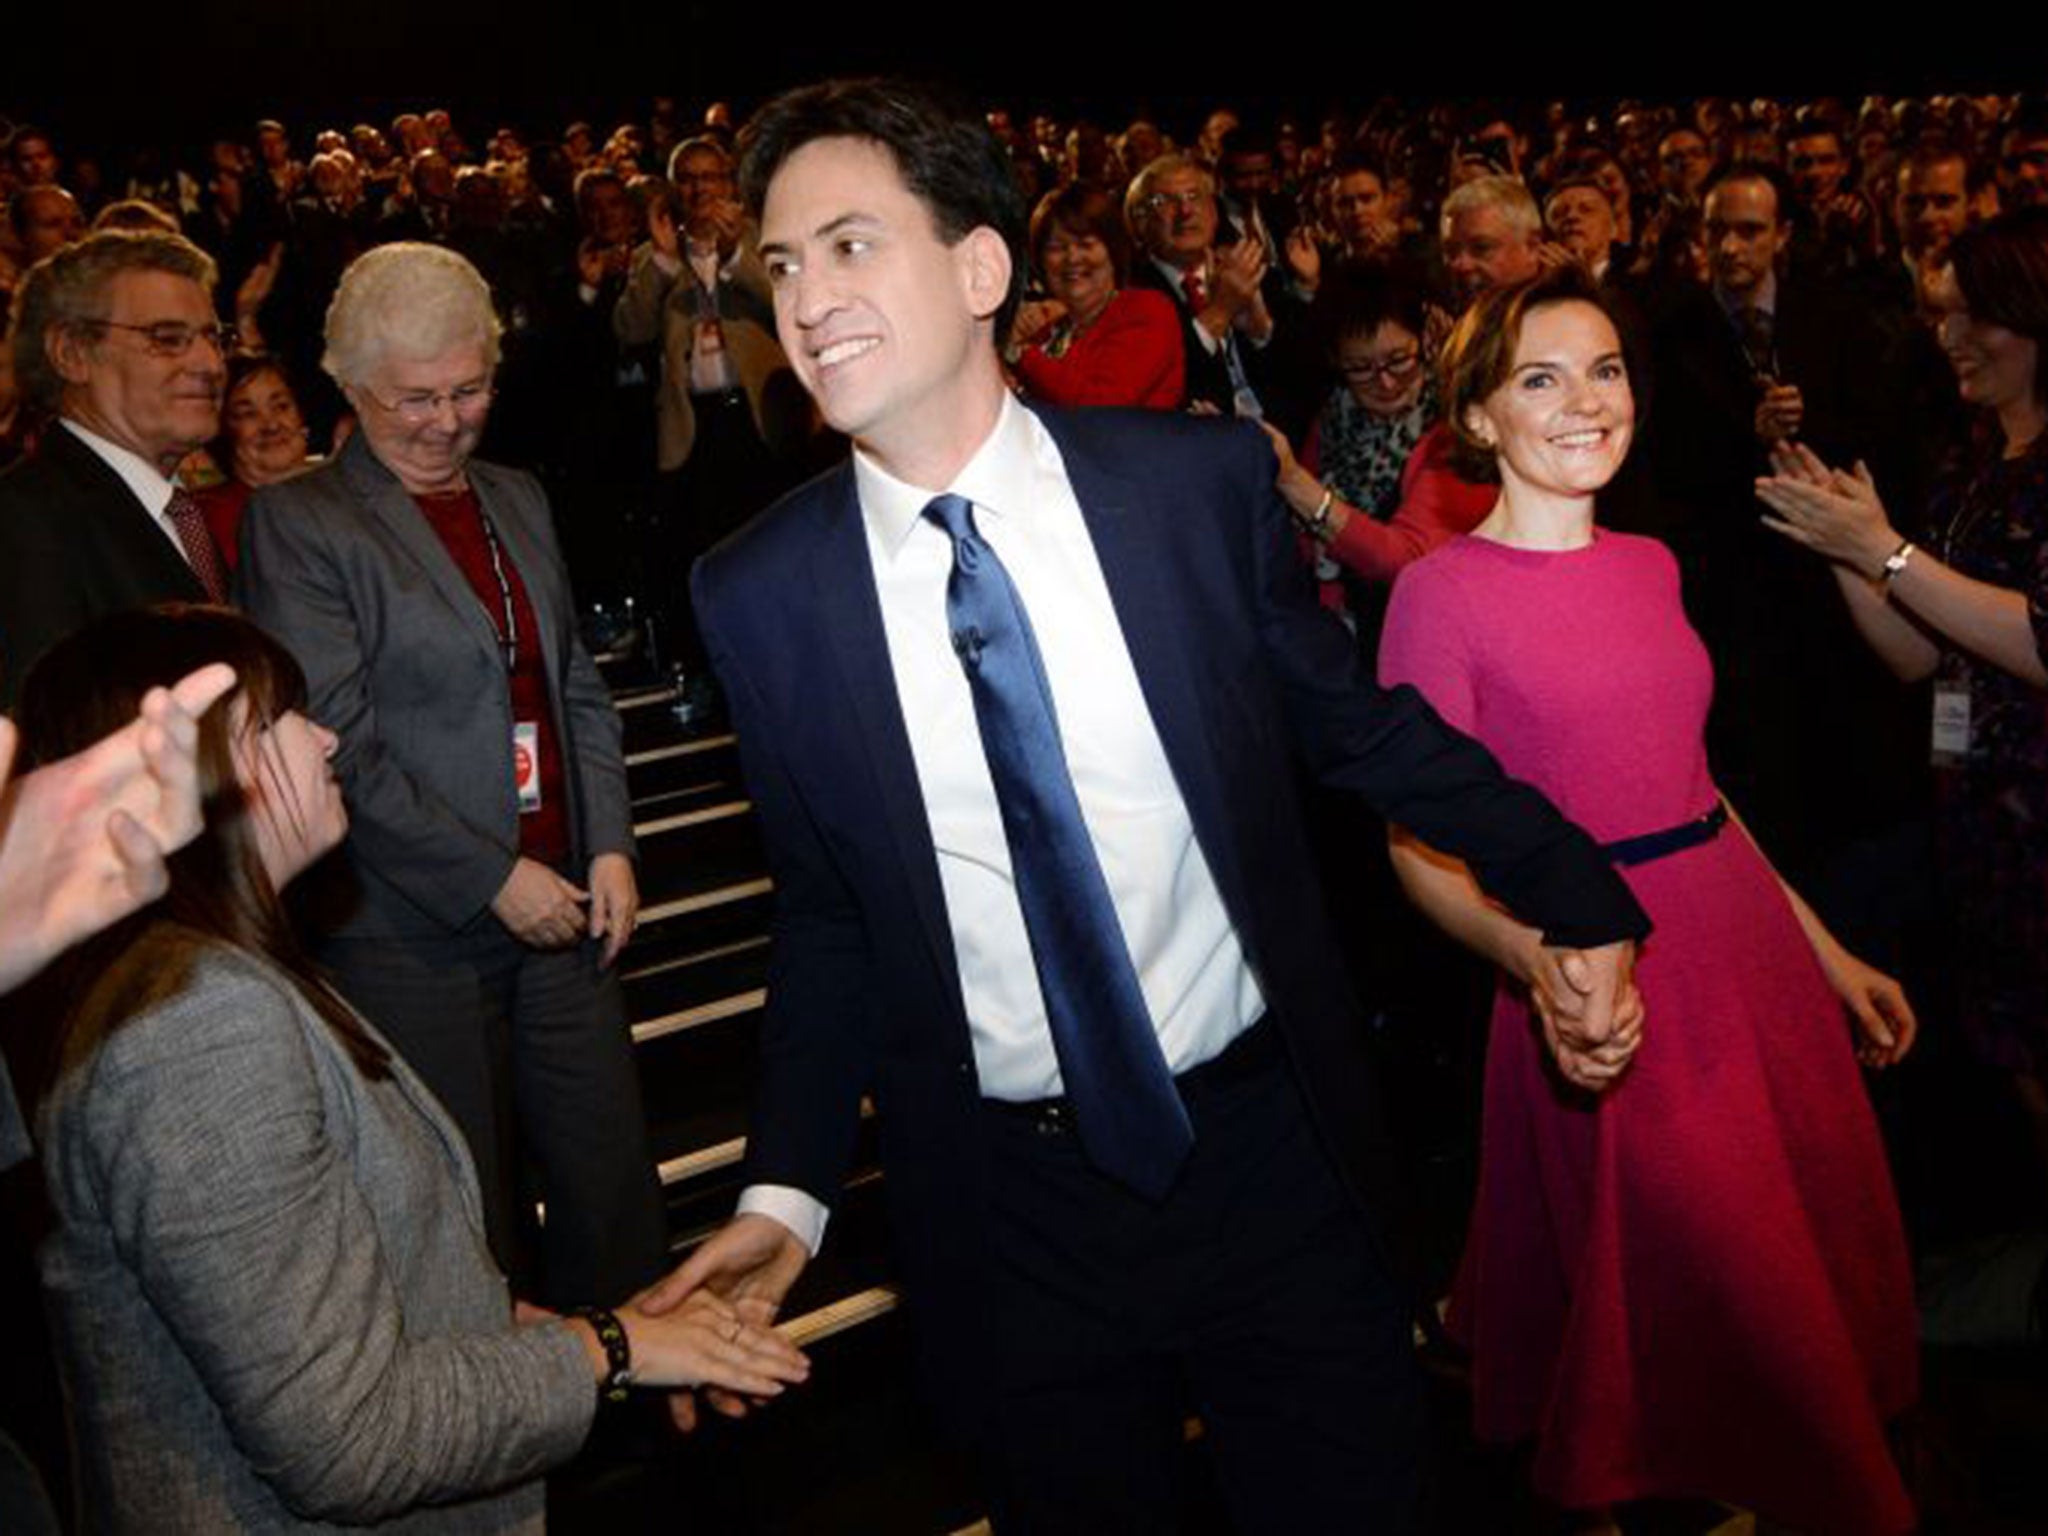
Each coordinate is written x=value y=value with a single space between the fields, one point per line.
x=985 y=270
x=69 y=351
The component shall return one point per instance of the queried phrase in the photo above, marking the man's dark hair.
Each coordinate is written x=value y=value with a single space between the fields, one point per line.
x=947 y=157
x=1355 y=157
x=1755 y=170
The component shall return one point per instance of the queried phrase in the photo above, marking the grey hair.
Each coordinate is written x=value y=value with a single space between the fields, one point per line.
x=1141 y=186
x=409 y=300
x=1505 y=193
x=70 y=289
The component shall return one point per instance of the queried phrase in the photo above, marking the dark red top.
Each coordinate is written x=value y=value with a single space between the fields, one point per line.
x=458 y=519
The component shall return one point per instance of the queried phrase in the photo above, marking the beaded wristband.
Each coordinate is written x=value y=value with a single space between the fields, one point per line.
x=618 y=1352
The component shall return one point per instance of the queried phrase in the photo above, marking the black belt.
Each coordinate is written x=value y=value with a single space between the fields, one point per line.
x=1656 y=845
x=1259 y=1049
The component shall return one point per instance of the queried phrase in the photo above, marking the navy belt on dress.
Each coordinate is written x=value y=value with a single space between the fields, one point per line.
x=1656 y=845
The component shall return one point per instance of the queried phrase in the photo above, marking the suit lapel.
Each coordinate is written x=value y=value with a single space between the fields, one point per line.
x=850 y=620
x=406 y=526
x=128 y=531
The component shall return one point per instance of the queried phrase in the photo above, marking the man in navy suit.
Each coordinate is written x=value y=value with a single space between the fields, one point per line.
x=1021 y=701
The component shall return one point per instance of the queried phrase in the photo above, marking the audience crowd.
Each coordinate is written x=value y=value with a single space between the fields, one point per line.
x=1783 y=277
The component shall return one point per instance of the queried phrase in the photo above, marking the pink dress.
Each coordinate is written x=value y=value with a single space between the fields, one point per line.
x=1696 y=1284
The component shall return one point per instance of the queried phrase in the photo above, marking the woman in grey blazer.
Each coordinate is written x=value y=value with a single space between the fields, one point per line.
x=491 y=840
x=272 y=1299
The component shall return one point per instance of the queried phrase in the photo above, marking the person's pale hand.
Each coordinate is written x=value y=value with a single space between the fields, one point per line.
x=1589 y=1009
x=1304 y=256
x=1834 y=514
x=539 y=907
x=703 y=1342
x=1885 y=1025
x=1240 y=268
x=83 y=840
x=1035 y=319
x=750 y=1262
x=614 y=902
x=661 y=227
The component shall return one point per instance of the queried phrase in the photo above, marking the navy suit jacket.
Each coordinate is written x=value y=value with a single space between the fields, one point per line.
x=1246 y=679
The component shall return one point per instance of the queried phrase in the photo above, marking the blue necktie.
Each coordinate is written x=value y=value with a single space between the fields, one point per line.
x=1132 y=1123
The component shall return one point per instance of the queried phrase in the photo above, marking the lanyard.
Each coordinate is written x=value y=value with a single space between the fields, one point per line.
x=507 y=631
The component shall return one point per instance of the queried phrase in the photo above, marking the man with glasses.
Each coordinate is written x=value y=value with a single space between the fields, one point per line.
x=116 y=336
x=1225 y=320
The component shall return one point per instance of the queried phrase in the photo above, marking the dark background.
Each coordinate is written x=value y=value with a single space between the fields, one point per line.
x=112 y=77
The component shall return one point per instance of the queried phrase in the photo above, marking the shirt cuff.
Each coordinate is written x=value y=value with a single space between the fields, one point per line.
x=803 y=1214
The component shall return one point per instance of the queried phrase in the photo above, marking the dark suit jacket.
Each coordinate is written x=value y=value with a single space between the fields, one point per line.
x=1242 y=672
x=74 y=544
x=403 y=664
x=1810 y=735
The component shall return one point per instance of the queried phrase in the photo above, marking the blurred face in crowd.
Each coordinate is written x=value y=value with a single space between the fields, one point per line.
x=51 y=220
x=266 y=433
x=1745 y=232
x=1995 y=367
x=144 y=391
x=1581 y=220
x=1078 y=272
x=423 y=418
x=1817 y=167
x=1358 y=209
x=35 y=161
x=704 y=178
x=1247 y=174
x=608 y=214
x=2023 y=169
x=1933 y=206
x=1383 y=368
x=1683 y=163
x=1483 y=251
x=1179 y=222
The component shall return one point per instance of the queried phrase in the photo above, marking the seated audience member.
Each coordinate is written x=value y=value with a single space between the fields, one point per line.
x=262 y=440
x=272 y=1299
x=1095 y=342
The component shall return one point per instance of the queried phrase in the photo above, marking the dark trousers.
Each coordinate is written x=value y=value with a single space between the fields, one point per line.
x=528 y=1051
x=1255 y=1295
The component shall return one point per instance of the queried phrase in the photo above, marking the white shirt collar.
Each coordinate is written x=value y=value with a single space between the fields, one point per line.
x=150 y=485
x=990 y=479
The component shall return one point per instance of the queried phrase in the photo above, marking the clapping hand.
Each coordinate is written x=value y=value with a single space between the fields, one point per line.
x=1832 y=513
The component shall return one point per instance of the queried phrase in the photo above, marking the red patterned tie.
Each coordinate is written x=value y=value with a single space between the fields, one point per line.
x=189 y=523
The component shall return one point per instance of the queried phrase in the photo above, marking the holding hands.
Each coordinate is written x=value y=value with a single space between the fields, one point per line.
x=1591 y=1012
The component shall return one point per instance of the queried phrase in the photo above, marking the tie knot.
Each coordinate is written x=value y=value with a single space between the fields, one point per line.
x=953 y=513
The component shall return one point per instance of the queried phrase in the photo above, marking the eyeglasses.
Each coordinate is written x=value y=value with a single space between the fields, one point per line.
x=1390 y=370
x=421 y=407
x=1191 y=199
x=174 y=338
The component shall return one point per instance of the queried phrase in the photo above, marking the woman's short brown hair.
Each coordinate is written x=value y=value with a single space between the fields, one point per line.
x=1480 y=353
x=1086 y=209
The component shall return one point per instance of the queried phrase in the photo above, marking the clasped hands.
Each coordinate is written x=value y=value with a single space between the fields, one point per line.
x=1591 y=1013
x=546 y=911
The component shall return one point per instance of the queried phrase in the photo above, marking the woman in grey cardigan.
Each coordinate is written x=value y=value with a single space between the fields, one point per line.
x=273 y=1303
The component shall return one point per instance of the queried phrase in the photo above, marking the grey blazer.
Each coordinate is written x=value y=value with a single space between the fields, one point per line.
x=271 y=1297
x=403 y=664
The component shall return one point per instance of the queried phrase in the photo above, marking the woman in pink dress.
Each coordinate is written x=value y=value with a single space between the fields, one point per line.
x=1694 y=1282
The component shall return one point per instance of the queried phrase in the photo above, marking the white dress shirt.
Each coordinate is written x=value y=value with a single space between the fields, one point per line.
x=150 y=485
x=1197 y=984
